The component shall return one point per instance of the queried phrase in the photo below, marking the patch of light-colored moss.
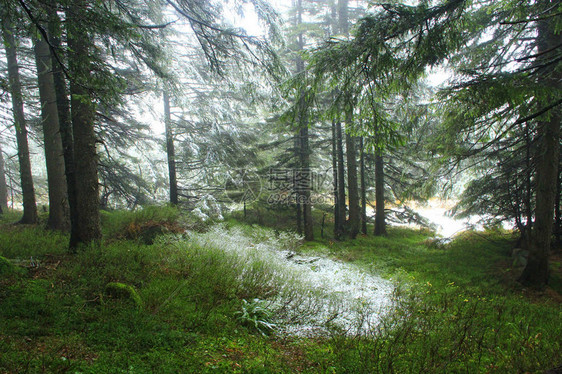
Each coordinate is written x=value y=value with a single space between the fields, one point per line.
x=123 y=291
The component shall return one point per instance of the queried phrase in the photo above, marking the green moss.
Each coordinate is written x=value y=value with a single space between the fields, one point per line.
x=123 y=291
x=459 y=309
x=24 y=241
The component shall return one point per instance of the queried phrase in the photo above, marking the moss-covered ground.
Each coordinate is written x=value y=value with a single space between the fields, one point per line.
x=460 y=308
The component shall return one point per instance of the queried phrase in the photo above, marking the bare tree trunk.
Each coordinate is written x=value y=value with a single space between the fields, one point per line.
x=352 y=224
x=338 y=224
x=536 y=272
x=304 y=190
x=3 y=185
x=83 y=113
x=557 y=212
x=295 y=190
x=363 y=188
x=529 y=189
x=307 y=184
x=380 y=220
x=343 y=12
x=170 y=150
x=58 y=200
x=65 y=123
x=28 y=191
x=352 y=186
x=298 y=207
x=341 y=178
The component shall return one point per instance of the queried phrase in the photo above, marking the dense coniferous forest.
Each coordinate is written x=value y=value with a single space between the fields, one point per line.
x=332 y=186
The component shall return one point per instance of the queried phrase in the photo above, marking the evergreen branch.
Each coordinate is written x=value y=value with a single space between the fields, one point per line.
x=539 y=54
x=542 y=66
x=537 y=114
x=533 y=19
x=45 y=36
x=161 y=26
x=206 y=24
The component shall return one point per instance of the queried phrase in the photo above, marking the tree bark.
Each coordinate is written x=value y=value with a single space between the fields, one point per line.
x=338 y=223
x=529 y=188
x=3 y=185
x=307 y=185
x=536 y=272
x=170 y=150
x=58 y=199
x=65 y=122
x=28 y=191
x=352 y=224
x=295 y=190
x=341 y=178
x=363 y=188
x=352 y=185
x=380 y=220
x=298 y=208
x=557 y=212
x=304 y=190
x=343 y=12
x=83 y=113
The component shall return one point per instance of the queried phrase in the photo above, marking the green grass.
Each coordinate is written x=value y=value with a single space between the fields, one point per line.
x=459 y=308
x=463 y=310
x=22 y=242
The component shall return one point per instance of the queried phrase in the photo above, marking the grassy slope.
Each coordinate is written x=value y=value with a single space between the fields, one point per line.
x=460 y=310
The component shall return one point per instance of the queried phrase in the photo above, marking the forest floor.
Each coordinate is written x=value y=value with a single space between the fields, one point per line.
x=183 y=306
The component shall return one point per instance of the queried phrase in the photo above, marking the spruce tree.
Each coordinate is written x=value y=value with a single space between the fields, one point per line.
x=10 y=44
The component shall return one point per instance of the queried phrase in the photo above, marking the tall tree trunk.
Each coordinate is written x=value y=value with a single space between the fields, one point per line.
x=380 y=220
x=363 y=188
x=83 y=113
x=65 y=123
x=557 y=212
x=528 y=188
x=298 y=209
x=303 y=193
x=354 y=222
x=341 y=178
x=58 y=199
x=343 y=12
x=170 y=150
x=352 y=225
x=295 y=189
x=339 y=198
x=3 y=185
x=28 y=191
x=536 y=272
x=338 y=223
x=307 y=184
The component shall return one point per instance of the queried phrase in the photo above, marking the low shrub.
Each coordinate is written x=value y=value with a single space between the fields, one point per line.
x=143 y=224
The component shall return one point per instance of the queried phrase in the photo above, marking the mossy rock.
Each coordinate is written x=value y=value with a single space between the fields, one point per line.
x=6 y=267
x=123 y=291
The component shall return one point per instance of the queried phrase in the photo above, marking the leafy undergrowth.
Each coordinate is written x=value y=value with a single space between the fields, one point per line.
x=459 y=309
